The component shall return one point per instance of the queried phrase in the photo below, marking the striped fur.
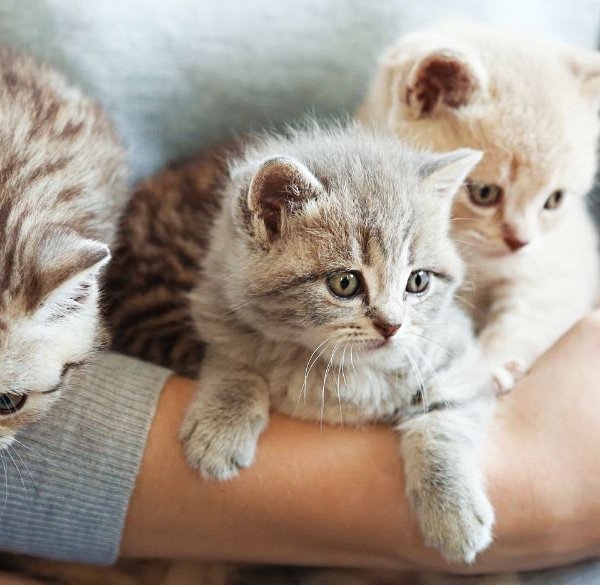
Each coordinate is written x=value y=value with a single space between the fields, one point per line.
x=163 y=238
x=62 y=188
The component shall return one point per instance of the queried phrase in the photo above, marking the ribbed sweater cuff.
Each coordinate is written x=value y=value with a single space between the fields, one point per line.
x=70 y=477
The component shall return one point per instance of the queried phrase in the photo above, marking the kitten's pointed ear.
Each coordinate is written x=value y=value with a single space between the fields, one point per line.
x=444 y=175
x=68 y=267
x=585 y=66
x=430 y=75
x=280 y=184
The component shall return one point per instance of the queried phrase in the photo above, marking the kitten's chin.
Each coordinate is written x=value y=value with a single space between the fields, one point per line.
x=375 y=351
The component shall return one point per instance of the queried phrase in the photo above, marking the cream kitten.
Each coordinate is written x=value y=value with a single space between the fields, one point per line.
x=522 y=221
x=327 y=293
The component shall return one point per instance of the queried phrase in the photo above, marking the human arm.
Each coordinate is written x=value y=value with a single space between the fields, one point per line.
x=335 y=496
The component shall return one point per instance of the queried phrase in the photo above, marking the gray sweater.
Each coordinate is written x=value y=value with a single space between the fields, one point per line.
x=70 y=477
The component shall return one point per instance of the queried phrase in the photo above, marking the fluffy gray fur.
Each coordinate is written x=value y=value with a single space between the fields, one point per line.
x=296 y=210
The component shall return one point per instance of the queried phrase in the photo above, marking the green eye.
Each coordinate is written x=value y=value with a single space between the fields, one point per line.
x=554 y=200
x=418 y=282
x=11 y=403
x=344 y=284
x=484 y=195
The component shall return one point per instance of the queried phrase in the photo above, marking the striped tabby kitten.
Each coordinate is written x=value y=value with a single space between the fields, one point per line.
x=329 y=273
x=522 y=221
x=163 y=238
x=62 y=187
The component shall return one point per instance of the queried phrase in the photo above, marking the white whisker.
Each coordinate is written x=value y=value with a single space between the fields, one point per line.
x=5 y=484
x=234 y=309
x=36 y=453
x=18 y=471
x=35 y=489
x=426 y=361
x=448 y=353
x=307 y=370
x=341 y=372
x=468 y=303
x=333 y=351
x=417 y=373
x=352 y=360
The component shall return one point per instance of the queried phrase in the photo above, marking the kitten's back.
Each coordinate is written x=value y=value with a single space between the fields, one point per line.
x=163 y=238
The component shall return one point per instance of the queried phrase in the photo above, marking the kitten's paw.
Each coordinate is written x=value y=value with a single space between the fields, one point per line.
x=218 y=447
x=458 y=524
x=507 y=375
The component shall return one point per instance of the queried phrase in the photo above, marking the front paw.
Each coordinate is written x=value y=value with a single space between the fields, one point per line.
x=507 y=375
x=218 y=445
x=458 y=523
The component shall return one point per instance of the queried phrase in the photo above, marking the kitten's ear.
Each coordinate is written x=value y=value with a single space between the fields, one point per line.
x=444 y=174
x=585 y=66
x=430 y=76
x=68 y=266
x=280 y=184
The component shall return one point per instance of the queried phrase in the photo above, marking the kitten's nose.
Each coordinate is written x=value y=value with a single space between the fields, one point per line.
x=515 y=243
x=387 y=330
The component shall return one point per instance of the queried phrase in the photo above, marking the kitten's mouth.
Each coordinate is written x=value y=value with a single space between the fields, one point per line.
x=373 y=344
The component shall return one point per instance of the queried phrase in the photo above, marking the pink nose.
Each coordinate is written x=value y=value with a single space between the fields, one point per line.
x=387 y=330
x=514 y=243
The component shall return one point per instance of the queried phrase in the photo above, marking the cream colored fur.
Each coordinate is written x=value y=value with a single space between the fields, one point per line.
x=531 y=106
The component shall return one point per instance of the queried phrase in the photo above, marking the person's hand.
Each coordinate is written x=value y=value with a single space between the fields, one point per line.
x=335 y=497
x=543 y=457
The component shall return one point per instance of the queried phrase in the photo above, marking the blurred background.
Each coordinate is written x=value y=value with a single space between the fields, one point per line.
x=178 y=75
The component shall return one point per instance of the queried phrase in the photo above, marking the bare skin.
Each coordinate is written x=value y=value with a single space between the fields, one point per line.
x=334 y=497
x=8 y=579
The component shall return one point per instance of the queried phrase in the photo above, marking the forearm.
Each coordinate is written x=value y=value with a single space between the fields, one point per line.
x=312 y=497
x=336 y=496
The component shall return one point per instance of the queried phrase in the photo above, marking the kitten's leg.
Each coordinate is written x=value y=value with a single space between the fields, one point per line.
x=444 y=484
x=221 y=428
x=526 y=316
x=516 y=334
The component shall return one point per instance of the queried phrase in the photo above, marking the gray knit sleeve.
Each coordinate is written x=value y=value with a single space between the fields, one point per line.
x=67 y=483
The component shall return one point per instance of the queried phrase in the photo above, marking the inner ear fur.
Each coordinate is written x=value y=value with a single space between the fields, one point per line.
x=278 y=185
x=432 y=79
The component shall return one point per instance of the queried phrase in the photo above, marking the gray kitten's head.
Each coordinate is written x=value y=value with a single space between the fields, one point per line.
x=341 y=235
x=48 y=316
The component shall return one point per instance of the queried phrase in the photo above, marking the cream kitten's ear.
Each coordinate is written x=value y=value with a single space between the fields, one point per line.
x=445 y=174
x=585 y=66
x=280 y=184
x=430 y=75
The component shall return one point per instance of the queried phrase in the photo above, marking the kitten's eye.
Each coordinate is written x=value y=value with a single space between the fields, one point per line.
x=344 y=284
x=418 y=282
x=11 y=403
x=484 y=195
x=554 y=200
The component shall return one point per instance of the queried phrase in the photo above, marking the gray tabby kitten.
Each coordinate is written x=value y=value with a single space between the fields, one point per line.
x=328 y=294
x=62 y=188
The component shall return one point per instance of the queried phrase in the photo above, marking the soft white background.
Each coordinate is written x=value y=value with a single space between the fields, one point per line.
x=179 y=74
